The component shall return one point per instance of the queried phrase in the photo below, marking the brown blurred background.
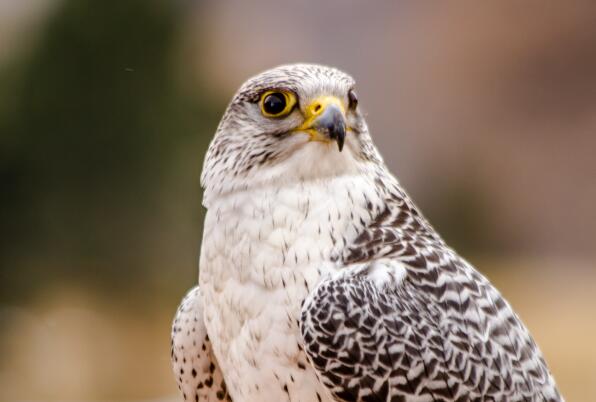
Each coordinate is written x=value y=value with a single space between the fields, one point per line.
x=486 y=111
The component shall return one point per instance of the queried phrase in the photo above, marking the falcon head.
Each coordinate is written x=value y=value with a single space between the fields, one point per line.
x=291 y=123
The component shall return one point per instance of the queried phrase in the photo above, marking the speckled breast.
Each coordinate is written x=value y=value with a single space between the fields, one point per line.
x=263 y=252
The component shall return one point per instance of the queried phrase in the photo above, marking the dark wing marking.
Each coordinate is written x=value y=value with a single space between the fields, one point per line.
x=442 y=332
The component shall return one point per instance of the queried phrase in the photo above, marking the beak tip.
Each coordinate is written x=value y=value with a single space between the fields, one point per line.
x=340 y=143
x=332 y=123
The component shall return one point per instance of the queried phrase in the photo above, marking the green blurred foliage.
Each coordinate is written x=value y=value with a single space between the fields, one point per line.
x=461 y=212
x=90 y=121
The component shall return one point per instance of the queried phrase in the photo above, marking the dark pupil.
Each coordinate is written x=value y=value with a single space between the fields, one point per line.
x=274 y=103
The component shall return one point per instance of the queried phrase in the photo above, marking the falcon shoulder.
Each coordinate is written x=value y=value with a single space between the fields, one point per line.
x=408 y=319
x=195 y=367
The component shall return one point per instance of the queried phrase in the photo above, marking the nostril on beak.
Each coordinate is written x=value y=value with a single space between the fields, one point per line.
x=331 y=123
x=317 y=108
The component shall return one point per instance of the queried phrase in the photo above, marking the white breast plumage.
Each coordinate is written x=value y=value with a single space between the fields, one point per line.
x=264 y=251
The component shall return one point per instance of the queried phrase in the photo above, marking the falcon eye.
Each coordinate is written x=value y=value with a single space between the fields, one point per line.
x=277 y=103
x=353 y=98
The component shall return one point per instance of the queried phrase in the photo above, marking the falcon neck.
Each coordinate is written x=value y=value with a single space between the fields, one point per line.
x=292 y=226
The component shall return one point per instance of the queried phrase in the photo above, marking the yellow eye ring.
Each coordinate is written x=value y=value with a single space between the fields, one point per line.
x=277 y=103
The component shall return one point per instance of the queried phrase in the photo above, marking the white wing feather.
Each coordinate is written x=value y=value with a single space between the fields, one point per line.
x=195 y=367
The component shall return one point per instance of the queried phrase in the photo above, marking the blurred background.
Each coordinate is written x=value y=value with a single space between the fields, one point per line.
x=485 y=111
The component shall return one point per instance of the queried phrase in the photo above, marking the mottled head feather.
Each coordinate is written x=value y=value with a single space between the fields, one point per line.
x=250 y=149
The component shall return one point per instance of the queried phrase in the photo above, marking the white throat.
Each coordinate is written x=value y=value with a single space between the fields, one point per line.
x=301 y=161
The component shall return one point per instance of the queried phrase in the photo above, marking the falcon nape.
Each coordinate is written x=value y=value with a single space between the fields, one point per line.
x=319 y=278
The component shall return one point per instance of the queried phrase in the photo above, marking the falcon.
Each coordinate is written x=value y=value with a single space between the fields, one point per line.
x=319 y=278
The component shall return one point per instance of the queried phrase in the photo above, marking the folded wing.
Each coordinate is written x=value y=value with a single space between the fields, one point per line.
x=195 y=367
x=405 y=318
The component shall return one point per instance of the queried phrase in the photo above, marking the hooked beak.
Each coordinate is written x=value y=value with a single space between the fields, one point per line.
x=325 y=121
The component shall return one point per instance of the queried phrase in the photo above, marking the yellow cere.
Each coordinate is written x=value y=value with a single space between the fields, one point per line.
x=313 y=110
x=318 y=105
